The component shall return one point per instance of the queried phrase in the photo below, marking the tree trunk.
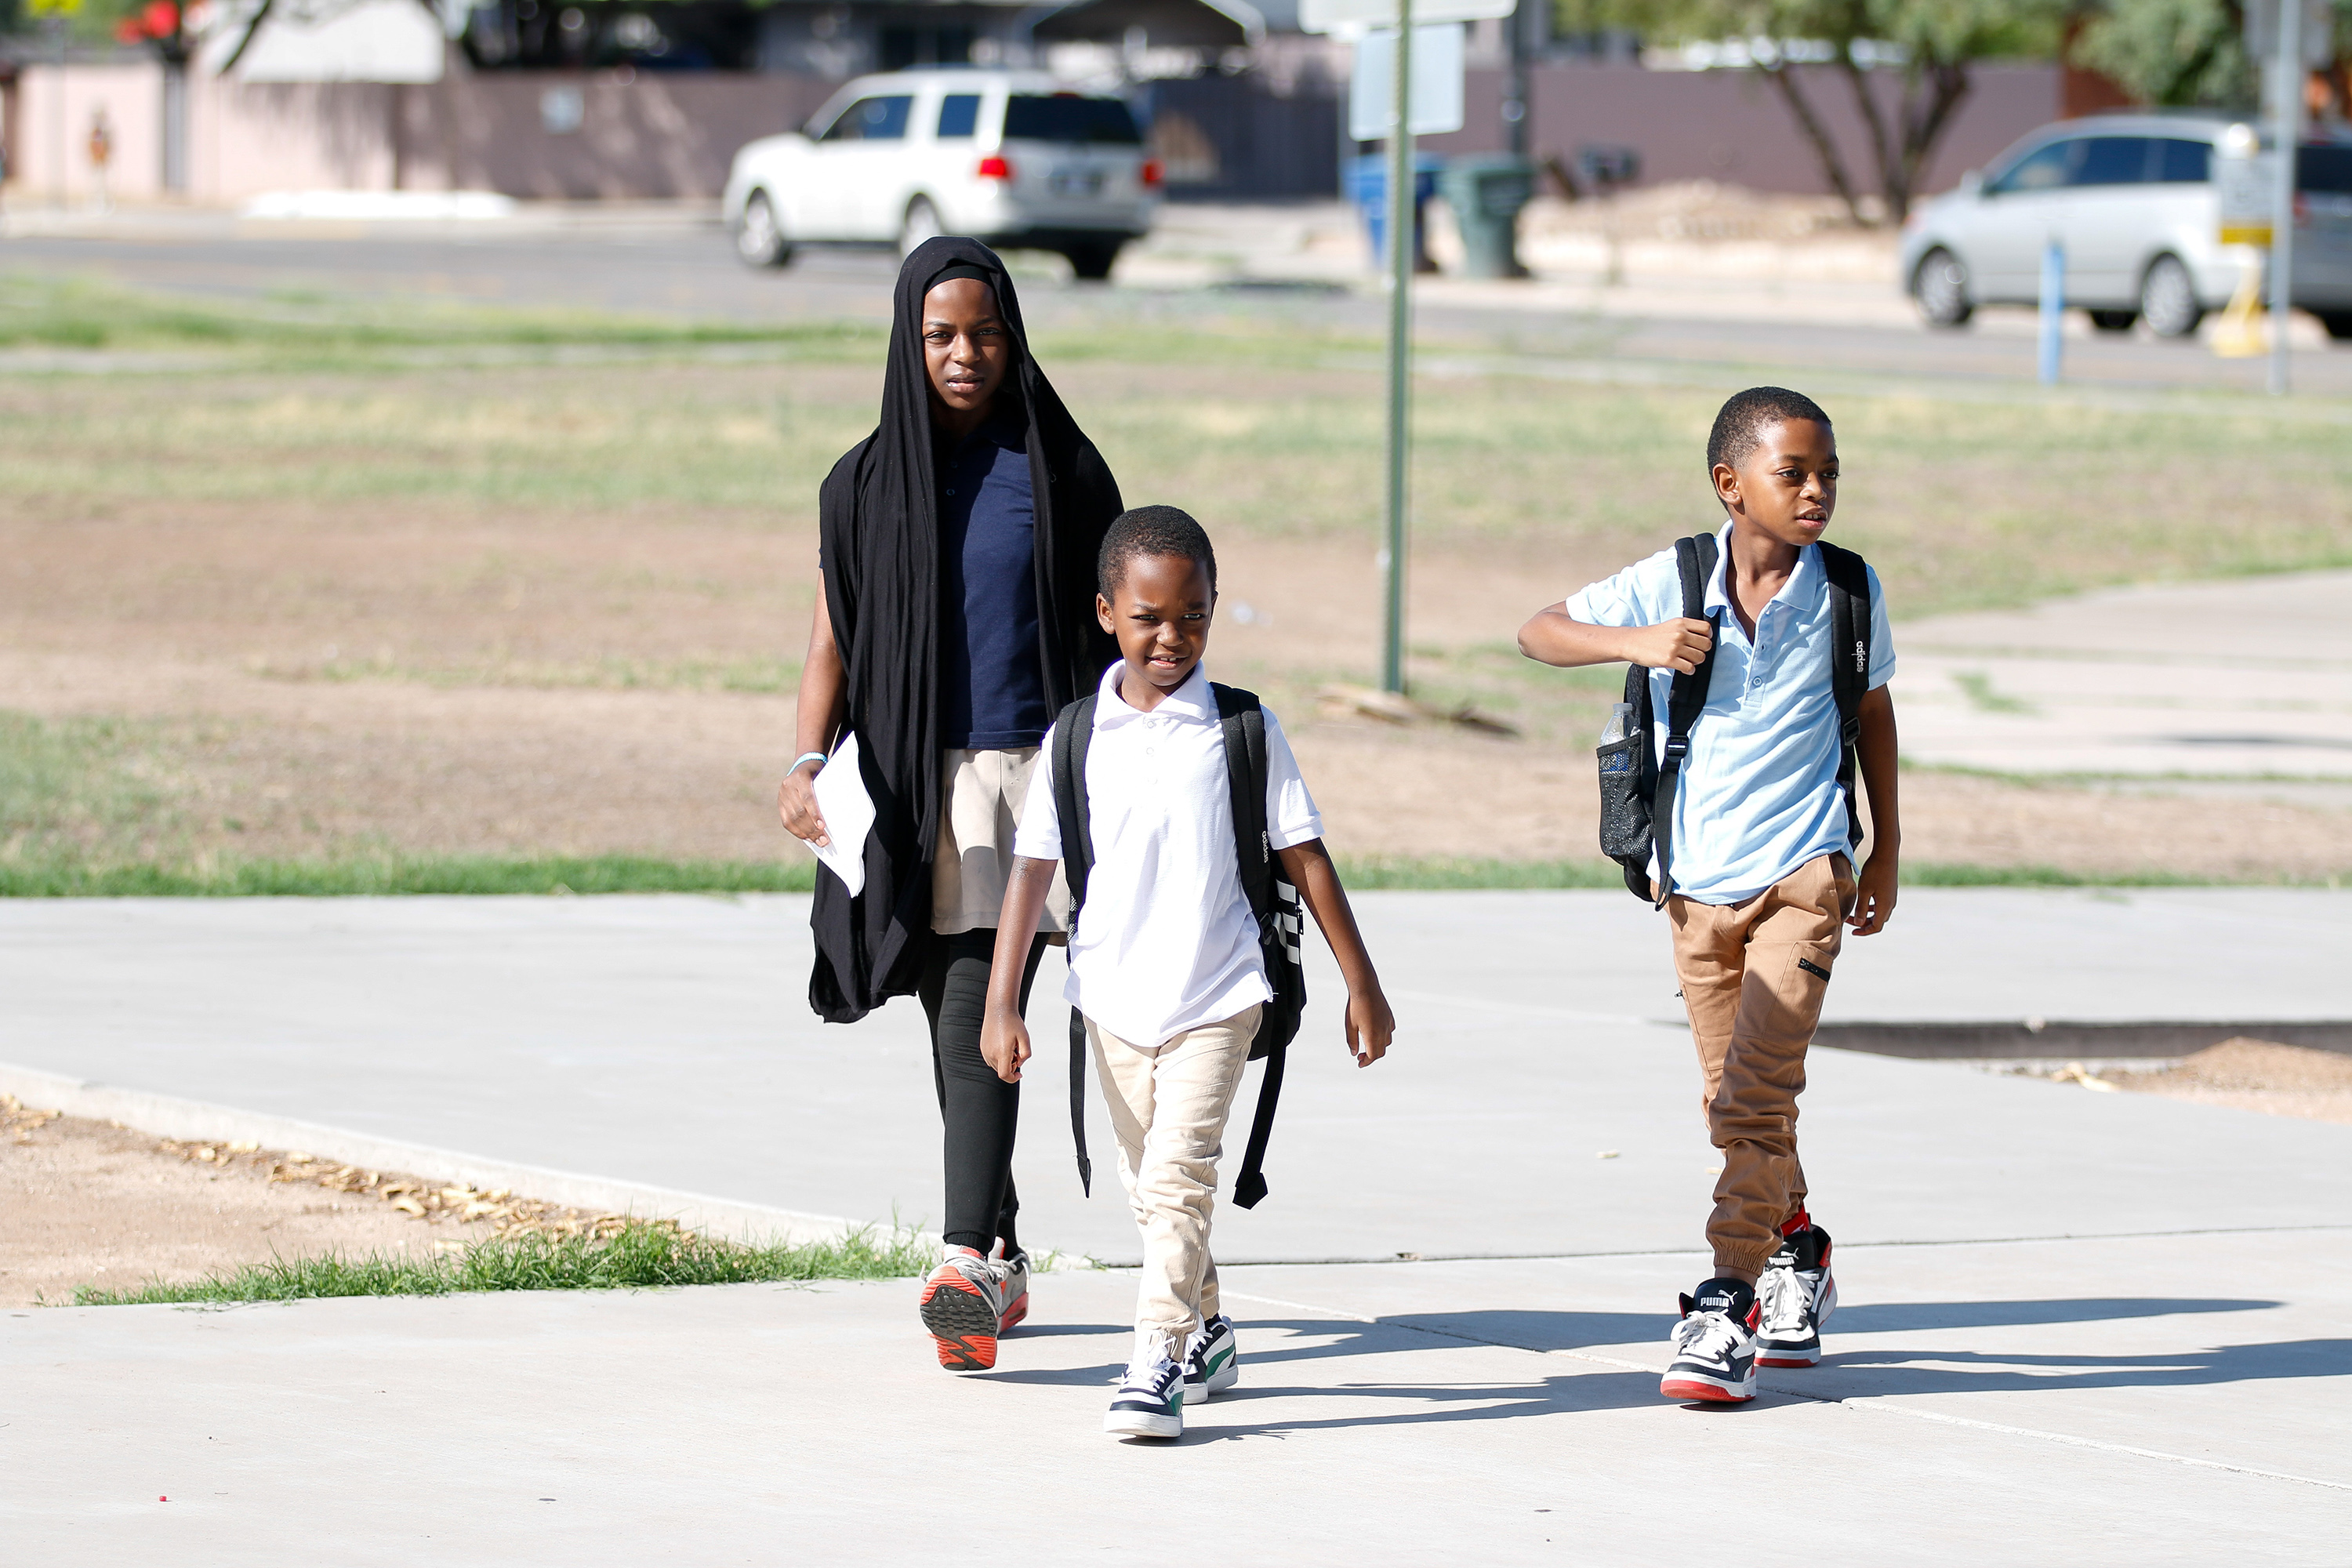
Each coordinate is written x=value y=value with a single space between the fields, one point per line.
x=1782 y=77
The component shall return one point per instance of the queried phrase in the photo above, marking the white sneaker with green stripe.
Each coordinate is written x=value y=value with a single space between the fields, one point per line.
x=1215 y=1362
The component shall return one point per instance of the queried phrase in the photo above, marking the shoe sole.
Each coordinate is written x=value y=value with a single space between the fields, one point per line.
x=1015 y=1314
x=1692 y=1390
x=1141 y=1424
x=1787 y=1358
x=1222 y=1378
x=962 y=1323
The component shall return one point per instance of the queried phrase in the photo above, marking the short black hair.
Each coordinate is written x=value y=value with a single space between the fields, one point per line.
x=1152 y=531
x=1748 y=415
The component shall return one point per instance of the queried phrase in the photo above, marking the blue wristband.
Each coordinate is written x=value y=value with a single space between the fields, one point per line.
x=807 y=756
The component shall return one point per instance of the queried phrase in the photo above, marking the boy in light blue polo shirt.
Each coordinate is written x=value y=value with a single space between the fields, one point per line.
x=1762 y=883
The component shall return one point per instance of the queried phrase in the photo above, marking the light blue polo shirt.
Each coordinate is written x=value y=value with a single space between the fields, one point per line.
x=1758 y=796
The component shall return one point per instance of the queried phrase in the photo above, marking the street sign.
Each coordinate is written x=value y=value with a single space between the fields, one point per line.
x=1361 y=15
x=1435 y=82
x=2242 y=183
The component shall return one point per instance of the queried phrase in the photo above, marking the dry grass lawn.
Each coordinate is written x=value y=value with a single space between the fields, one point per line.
x=313 y=609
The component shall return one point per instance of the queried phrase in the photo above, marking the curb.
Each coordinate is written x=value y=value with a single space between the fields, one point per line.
x=167 y=1116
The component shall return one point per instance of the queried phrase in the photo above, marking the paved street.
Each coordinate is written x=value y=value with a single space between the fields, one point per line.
x=1276 y=263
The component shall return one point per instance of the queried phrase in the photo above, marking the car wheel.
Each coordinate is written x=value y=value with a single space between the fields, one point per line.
x=2337 y=323
x=1093 y=261
x=2167 y=297
x=1940 y=284
x=2114 y=320
x=759 y=238
x=922 y=223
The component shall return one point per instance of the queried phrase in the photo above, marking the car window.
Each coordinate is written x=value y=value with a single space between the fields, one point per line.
x=2112 y=161
x=2180 y=163
x=958 y=113
x=2328 y=170
x=2044 y=169
x=872 y=119
x=1065 y=117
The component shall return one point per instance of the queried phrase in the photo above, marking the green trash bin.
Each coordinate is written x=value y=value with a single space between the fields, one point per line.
x=1487 y=192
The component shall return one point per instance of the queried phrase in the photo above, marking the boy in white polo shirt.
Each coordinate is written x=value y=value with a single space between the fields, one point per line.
x=1757 y=873
x=1164 y=961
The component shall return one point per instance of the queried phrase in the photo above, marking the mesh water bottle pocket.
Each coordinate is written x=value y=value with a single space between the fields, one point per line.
x=1625 y=815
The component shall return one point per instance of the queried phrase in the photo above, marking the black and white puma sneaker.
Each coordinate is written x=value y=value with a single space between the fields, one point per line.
x=1714 y=1345
x=1796 y=1294
x=1215 y=1362
x=1150 y=1398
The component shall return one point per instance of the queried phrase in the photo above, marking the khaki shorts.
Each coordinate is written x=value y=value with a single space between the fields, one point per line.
x=981 y=796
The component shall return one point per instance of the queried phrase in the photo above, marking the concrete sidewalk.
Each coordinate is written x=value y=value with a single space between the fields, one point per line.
x=2074 y=1327
x=2119 y=1402
x=665 y=1041
x=2152 y=681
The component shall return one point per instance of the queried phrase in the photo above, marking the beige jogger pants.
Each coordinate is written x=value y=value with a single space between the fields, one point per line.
x=1753 y=975
x=1168 y=1107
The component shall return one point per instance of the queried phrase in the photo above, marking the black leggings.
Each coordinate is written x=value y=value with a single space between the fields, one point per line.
x=982 y=1111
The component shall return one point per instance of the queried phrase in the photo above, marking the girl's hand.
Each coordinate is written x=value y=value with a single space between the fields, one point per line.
x=796 y=804
x=1004 y=1044
x=1371 y=1024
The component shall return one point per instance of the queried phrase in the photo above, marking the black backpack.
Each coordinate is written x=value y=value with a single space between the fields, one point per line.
x=1274 y=901
x=1637 y=794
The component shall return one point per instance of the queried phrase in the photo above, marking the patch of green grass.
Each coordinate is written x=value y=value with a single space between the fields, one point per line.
x=1977 y=688
x=64 y=877
x=44 y=312
x=643 y=1256
x=75 y=789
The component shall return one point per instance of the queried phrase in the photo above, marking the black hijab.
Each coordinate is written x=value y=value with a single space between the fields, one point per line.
x=878 y=525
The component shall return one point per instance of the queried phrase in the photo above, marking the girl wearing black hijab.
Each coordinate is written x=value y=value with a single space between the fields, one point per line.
x=954 y=619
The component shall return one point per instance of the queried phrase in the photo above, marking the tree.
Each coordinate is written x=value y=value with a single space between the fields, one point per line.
x=2182 y=52
x=1932 y=43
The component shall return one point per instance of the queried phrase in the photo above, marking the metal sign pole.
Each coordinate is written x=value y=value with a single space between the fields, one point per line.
x=2289 y=66
x=1402 y=222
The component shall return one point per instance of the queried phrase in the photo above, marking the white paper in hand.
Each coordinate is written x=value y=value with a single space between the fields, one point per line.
x=848 y=813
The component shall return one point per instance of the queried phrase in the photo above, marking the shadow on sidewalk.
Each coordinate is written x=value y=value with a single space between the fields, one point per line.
x=1890 y=1373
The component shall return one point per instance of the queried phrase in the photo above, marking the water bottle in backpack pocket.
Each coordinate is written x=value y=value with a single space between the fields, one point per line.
x=1625 y=803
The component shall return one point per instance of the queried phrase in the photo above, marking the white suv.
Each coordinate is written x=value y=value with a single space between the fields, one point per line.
x=1011 y=157
x=2131 y=198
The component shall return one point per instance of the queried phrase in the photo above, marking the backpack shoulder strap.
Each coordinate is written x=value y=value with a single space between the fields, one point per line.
x=1073 y=731
x=1694 y=559
x=1243 y=720
x=1850 y=617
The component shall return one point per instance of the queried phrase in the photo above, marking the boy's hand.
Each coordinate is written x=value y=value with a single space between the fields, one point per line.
x=1004 y=1042
x=1678 y=645
x=1873 y=896
x=1371 y=1024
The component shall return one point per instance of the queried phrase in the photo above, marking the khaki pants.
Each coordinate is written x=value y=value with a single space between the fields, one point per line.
x=1168 y=1107
x=1753 y=1001
x=981 y=796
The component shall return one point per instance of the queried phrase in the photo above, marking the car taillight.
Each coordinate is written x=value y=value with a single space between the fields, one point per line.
x=995 y=168
x=1152 y=174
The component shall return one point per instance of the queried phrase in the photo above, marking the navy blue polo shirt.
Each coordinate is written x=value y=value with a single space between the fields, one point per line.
x=991 y=687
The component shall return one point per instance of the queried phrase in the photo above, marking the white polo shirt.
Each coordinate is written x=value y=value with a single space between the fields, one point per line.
x=1758 y=796
x=1166 y=942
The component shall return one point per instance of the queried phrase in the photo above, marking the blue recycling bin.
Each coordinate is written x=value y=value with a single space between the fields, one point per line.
x=1368 y=187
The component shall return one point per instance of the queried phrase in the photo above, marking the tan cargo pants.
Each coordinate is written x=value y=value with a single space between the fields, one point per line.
x=1168 y=1107
x=1753 y=975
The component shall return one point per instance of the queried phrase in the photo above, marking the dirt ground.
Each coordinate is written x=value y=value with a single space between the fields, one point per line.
x=98 y=1204
x=307 y=680
x=2255 y=1075
x=90 y=1202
